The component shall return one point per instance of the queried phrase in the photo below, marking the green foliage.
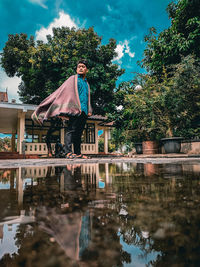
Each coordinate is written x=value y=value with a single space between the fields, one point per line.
x=184 y=98
x=5 y=144
x=135 y=121
x=111 y=146
x=168 y=101
x=182 y=38
x=169 y=106
x=117 y=138
x=101 y=144
x=121 y=92
x=140 y=113
x=43 y=67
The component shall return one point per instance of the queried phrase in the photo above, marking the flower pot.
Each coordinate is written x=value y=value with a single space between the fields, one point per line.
x=150 y=147
x=138 y=148
x=172 y=144
x=150 y=169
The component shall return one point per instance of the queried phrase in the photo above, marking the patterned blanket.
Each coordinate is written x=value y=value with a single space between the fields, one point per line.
x=64 y=102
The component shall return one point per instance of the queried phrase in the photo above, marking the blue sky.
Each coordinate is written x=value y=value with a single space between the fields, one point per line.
x=127 y=21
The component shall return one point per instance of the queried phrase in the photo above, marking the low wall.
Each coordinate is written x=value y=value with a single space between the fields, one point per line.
x=41 y=148
x=190 y=147
x=187 y=147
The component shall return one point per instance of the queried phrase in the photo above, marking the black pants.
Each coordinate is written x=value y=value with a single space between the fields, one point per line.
x=74 y=132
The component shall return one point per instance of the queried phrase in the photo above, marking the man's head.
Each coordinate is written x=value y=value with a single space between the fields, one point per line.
x=82 y=67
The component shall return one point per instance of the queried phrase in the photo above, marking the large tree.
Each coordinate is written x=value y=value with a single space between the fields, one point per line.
x=44 y=66
x=181 y=39
x=166 y=101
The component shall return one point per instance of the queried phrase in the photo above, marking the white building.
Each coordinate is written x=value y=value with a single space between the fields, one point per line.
x=15 y=119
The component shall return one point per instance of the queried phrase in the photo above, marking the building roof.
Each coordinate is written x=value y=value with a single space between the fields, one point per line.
x=97 y=118
x=107 y=124
x=9 y=115
x=31 y=107
x=18 y=106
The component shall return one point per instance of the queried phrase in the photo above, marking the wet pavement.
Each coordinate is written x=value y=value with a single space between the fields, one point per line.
x=100 y=212
x=155 y=159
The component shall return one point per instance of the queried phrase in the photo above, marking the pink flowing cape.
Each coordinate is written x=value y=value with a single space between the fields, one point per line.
x=64 y=101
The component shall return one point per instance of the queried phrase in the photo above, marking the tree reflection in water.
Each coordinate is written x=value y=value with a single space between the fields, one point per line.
x=151 y=209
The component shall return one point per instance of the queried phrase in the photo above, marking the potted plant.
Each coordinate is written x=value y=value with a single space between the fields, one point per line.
x=138 y=118
x=172 y=144
x=165 y=108
x=135 y=137
x=132 y=138
x=179 y=103
x=144 y=122
x=138 y=148
x=170 y=105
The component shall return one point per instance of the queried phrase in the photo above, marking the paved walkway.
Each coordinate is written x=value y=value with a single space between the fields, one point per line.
x=154 y=159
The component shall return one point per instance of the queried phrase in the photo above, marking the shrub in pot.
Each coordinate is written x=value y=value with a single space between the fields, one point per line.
x=180 y=104
x=167 y=106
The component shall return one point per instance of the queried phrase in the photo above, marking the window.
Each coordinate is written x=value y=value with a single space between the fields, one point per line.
x=89 y=134
x=37 y=134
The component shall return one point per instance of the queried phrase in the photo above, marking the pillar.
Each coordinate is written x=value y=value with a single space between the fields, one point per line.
x=97 y=173
x=13 y=142
x=96 y=139
x=107 y=173
x=105 y=140
x=12 y=180
x=40 y=136
x=19 y=186
x=62 y=182
x=62 y=136
x=20 y=131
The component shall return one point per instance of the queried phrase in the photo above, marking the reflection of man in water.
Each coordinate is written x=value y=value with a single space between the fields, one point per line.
x=70 y=230
x=72 y=177
x=59 y=150
x=72 y=181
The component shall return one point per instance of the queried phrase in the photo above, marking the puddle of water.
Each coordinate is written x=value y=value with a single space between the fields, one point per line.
x=121 y=214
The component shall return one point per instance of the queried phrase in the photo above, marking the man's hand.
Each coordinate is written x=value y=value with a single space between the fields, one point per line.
x=89 y=114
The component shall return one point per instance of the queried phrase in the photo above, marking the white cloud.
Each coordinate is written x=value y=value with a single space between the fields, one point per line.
x=127 y=50
x=121 y=49
x=39 y=2
x=63 y=20
x=11 y=84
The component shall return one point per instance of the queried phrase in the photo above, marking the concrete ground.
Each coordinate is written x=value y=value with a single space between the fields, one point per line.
x=154 y=159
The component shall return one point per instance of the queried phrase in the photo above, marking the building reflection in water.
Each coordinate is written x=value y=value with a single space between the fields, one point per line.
x=34 y=189
x=100 y=214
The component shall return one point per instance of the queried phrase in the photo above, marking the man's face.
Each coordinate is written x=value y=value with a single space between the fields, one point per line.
x=81 y=69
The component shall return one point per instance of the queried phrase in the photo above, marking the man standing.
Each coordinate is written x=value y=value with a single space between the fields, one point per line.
x=70 y=101
x=76 y=124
